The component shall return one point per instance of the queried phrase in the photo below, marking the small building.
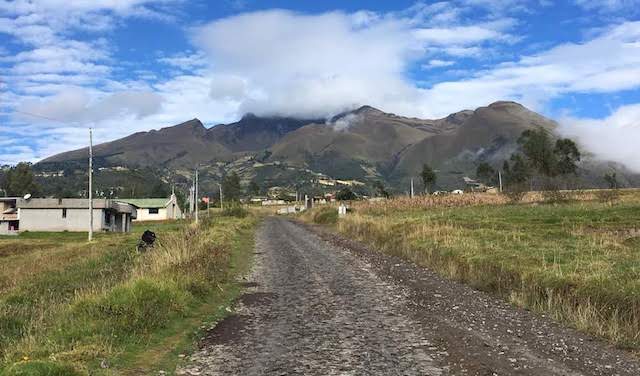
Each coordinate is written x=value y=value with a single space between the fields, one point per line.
x=156 y=209
x=9 y=224
x=72 y=214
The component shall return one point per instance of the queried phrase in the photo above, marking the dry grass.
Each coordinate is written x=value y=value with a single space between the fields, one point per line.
x=578 y=261
x=82 y=303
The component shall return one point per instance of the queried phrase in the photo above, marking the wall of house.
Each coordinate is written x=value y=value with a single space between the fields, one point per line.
x=51 y=220
x=144 y=215
x=4 y=228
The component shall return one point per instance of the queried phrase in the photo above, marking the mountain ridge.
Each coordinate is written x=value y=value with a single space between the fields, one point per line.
x=365 y=144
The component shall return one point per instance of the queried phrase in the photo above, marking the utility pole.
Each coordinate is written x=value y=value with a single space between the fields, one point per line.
x=411 y=187
x=197 y=199
x=500 y=179
x=220 y=195
x=90 y=184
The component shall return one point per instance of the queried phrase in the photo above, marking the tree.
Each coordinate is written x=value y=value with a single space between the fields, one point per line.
x=546 y=158
x=486 y=174
x=428 y=177
x=346 y=194
x=231 y=188
x=160 y=189
x=253 y=189
x=567 y=156
x=516 y=173
x=612 y=180
x=380 y=189
x=19 y=180
x=537 y=148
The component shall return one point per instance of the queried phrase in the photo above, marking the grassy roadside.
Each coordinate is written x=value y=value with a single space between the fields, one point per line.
x=578 y=261
x=83 y=307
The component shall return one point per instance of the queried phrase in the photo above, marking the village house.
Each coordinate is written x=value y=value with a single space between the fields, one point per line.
x=8 y=216
x=156 y=209
x=72 y=214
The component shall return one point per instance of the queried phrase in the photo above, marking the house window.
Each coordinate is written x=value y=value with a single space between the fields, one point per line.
x=64 y=213
x=154 y=210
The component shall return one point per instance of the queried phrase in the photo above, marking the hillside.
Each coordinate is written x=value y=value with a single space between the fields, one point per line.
x=365 y=144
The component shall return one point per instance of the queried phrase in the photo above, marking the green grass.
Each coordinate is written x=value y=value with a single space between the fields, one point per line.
x=79 y=303
x=578 y=261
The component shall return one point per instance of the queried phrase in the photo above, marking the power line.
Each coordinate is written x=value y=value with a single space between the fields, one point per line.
x=44 y=117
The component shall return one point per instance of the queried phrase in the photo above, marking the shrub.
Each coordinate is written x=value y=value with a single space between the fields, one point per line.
x=326 y=216
x=608 y=196
x=516 y=192
x=136 y=308
x=235 y=210
x=41 y=368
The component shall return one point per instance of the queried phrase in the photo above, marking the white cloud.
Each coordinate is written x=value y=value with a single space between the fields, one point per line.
x=610 y=6
x=77 y=106
x=318 y=65
x=614 y=138
x=436 y=63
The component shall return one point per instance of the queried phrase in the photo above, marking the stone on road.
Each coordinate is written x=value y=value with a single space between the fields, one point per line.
x=316 y=307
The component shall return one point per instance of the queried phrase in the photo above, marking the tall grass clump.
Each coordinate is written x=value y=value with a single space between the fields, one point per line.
x=74 y=317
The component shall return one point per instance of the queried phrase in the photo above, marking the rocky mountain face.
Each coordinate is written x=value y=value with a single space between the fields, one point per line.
x=365 y=144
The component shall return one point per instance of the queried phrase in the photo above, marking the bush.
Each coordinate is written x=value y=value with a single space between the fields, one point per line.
x=516 y=192
x=326 y=216
x=136 y=308
x=235 y=210
x=608 y=196
x=41 y=368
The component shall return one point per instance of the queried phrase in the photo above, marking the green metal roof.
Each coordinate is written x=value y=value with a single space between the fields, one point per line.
x=146 y=202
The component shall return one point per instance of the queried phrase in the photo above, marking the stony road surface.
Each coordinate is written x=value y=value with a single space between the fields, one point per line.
x=317 y=304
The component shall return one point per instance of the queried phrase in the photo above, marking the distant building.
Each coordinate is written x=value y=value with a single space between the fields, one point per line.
x=474 y=185
x=9 y=223
x=72 y=214
x=156 y=209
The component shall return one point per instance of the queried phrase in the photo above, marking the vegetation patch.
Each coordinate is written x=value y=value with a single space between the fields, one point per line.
x=95 y=312
x=577 y=260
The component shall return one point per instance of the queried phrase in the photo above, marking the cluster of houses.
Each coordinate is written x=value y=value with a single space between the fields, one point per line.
x=72 y=214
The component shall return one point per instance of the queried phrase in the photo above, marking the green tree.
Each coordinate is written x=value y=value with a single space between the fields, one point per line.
x=159 y=189
x=231 y=188
x=253 y=189
x=380 y=189
x=567 y=156
x=346 y=194
x=612 y=180
x=537 y=147
x=19 y=180
x=428 y=176
x=517 y=172
x=546 y=158
x=486 y=174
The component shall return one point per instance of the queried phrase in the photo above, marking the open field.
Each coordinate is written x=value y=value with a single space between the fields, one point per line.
x=579 y=261
x=69 y=307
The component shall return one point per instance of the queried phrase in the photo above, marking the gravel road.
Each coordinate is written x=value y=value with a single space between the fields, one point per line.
x=319 y=304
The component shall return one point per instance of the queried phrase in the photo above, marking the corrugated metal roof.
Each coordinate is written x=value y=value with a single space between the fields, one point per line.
x=147 y=202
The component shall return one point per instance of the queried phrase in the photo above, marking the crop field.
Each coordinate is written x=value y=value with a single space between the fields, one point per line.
x=69 y=307
x=578 y=260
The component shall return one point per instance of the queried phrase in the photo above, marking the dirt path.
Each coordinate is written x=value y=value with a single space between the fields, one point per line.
x=317 y=304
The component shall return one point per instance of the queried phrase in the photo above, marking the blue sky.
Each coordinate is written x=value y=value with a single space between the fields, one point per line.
x=122 y=66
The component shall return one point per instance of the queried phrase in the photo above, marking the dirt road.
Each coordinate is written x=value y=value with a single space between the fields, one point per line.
x=317 y=304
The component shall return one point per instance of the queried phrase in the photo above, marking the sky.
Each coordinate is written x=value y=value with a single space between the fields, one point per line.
x=123 y=66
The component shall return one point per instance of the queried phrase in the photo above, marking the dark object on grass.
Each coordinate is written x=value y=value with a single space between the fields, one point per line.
x=146 y=241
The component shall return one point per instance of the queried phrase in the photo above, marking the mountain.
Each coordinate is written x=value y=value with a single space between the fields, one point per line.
x=365 y=144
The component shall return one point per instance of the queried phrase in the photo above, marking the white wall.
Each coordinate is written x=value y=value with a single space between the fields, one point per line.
x=144 y=215
x=51 y=220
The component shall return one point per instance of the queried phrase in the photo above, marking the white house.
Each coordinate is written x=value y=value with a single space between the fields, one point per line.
x=72 y=214
x=156 y=209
